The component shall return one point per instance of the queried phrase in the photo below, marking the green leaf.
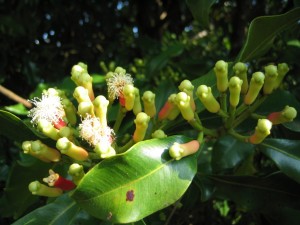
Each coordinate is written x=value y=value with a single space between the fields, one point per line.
x=200 y=10
x=17 y=198
x=18 y=109
x=63 y=210
x=262 y=32
x=160 y=61
x=285 y=154
x=258 y=194
x=14 y=127
x=135 y=184
x=228 y=153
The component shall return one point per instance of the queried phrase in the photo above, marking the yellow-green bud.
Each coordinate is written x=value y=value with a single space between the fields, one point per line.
x=205 y=95
x=183 y=102
x=158 y=134
x=100 y=107
x=104 y=151
x=66 y=132
x=42 y=150
x=70 y=111
x=282 y=70
x=149 y=103
x=141 y=125
x=256 y=83
x=76 y=172
x=85 y=109
x=262 y=130
x=178 y=151
x=36 y=188
x=270 y=79
x=120 y=70
x=240 y=70
x=235 y=85
x=137 y=106
x=288 y=114
x=187 y=87
x=47 y=129
x=68 y=148
x=221 y=71
x=129 y=96
x=81 y=94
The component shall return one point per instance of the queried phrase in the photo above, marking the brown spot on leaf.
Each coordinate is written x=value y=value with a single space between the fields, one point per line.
x=109 y=216
x=129 y=196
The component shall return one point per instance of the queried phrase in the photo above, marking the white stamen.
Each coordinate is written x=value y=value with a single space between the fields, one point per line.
x=116 y=84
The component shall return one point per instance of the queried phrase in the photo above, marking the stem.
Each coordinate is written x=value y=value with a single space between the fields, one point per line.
x=195 y=124
x=8 y=93
x=223 y=101
x=93 y=155
x=126 y=146
x=172 y=212
x=238 y=136
x=241 y=108
x=120 y=117
x=257 y=116
x=229 y=121
x=200 y=137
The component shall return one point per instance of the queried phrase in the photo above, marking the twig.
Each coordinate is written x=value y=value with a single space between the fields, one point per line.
x=8 y=93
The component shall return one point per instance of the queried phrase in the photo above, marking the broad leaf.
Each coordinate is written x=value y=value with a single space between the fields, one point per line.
x=19 y=109
x=262 y=32
x=63 y=210
x=267 y=195
x=12 y=127
x=286 y=155
x=135 y=184
x=200 y=10
x=228 y=153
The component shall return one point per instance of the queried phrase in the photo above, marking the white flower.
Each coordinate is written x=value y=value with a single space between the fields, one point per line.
x=49 y=107
x=116 y=83
x=94 y=132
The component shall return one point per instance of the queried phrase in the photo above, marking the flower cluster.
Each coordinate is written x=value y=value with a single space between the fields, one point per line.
x=81 y=128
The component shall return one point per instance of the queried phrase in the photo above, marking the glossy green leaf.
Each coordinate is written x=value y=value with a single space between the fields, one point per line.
x=63 y=210
x=13 y=128
x=16 y=196
x=18 y=109
x=135 y=184
x=200 y=10
x=261 y=194
x=228 y=153
x=285 y=153
x=262 y=32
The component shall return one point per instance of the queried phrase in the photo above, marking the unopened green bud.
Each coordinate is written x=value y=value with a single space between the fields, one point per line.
x=42 y=150
x=205 y=95
x=36 y=188
x=66 y=132
x=100 y=107
x=221 y=71
x=262 y=130
x=149 y=103
x=68 y=148
x=81 y=94
x=183 y=102
x=141 y=125
x=129 y=96
x=47 y=129
x=85 y=109
x=240 y=70
x=76 y=172
x=282 y=70
x=137 y=106
x=104 y=151
x=235 y=85
x=256 y=83
x=158 y=134
x=120 y=70
x=178 y=151
x=187 y=87
x=288 y=114
x=81 y=77
x=270 y=79
x=70 y=111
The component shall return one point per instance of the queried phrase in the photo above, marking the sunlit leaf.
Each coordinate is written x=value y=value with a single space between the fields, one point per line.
x=285 y=153
x=262 y=32
x=18 y=109
x=133 y=185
